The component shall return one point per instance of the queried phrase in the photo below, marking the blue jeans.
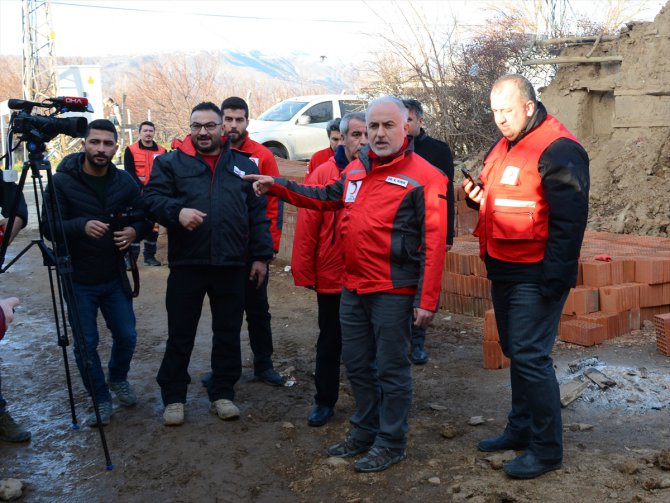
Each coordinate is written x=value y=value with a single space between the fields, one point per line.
x=376 y=330
x=116 y=307
x=527 y=324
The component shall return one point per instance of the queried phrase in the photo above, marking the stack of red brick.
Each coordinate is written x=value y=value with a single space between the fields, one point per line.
x=612 y=298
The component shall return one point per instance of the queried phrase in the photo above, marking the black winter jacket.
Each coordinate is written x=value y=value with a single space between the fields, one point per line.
x=438 y=153
x=94 y=261
x=236 y=229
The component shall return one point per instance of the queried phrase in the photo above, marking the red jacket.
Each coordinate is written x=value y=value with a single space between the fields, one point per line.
x=267 y=165
x=318 y=255
x=144 y=160
x=514 y=215
x=318 y=158
x=393 y=226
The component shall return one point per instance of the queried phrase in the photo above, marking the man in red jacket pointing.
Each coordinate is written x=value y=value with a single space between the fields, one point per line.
x=393 y=233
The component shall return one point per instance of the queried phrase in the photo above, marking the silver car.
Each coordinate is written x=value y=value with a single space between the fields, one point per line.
x=296 y=127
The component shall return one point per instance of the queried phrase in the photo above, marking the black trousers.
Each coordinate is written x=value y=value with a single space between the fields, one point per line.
x=328 y=350
x=186 y=290
x=258 y=323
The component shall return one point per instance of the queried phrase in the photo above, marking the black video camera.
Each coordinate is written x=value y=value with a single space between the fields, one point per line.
x=122 y=218
x=43 y=128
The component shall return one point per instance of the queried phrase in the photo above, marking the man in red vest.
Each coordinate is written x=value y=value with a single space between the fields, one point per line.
x=533 y=206
x=138 y=160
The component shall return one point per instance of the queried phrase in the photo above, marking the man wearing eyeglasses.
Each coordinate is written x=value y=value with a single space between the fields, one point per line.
x=215 y=225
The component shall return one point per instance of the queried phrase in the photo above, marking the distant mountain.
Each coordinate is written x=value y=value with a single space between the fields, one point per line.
x=296 y=68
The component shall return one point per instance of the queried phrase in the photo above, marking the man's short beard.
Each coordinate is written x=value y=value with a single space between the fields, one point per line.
x=205 y=150
x=91 y=160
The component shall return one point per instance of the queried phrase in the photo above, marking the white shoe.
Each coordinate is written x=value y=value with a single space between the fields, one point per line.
x=174 y=414
x=225 y=409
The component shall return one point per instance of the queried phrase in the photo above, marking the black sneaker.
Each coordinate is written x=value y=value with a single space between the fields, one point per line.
x=11 y=431
x=271 y=377
x=348 y=447
x=379 y=459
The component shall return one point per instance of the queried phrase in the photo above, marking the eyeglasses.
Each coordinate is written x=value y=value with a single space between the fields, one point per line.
x=210 y=126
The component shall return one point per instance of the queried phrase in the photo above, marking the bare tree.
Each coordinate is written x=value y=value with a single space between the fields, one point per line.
x=10 y=78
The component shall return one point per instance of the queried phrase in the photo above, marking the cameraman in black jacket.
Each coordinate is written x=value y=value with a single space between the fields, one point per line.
x=89 y=188
x=216 y=226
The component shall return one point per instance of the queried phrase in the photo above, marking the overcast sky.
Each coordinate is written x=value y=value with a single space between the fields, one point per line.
x=340 y=30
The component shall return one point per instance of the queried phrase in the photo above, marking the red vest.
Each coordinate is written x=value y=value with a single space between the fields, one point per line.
x=144 y=160
x=514 y=215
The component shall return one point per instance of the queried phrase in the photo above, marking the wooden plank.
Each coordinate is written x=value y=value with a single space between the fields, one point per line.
x=573 y=60
x=599 y=378
x=572 y=390
x=577 y=40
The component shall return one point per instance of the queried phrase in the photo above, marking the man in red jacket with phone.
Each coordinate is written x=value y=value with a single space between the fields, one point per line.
x=533 y=206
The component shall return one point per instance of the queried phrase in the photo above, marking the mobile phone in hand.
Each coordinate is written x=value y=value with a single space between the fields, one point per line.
x=468 y=176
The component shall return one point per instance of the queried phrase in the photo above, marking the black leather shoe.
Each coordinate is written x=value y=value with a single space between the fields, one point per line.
x=419 y=355
x=152 y=262
x=271 y=376
x=501 y=443
x=528 y=466
x=319 y=415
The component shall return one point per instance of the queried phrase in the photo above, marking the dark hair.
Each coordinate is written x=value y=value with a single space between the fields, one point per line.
x=522 y=83
x=236 y=103
x=146 y=123
x=333 y=125
x=207 y=105
x=414 y=106
x=102 y=125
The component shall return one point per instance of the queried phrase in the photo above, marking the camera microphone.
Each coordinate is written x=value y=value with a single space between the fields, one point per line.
x=15 y=104
x=72 y=103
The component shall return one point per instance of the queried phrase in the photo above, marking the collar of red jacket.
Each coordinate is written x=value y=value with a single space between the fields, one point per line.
x=186 y=145
x=375 y=160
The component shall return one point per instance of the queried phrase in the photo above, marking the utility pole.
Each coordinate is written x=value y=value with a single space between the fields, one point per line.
x=40 y=79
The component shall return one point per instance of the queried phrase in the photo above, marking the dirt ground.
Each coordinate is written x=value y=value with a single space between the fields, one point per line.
x=272 y=455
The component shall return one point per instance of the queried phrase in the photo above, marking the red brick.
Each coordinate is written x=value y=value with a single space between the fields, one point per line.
x=612 y=322
x=616 y=272
x=493 y=356
x=652 y=271
x=629 y=271
x=582 y=332
x=648 y=313
x=662 y=324
x=652 y=295
x=585 y=300
x=490 y=327
x=617 y=298
x=596 y=274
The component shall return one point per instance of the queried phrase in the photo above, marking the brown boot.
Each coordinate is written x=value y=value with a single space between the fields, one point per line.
x=10 y=431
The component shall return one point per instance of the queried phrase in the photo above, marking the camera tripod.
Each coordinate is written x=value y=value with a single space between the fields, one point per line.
x=57 y=260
